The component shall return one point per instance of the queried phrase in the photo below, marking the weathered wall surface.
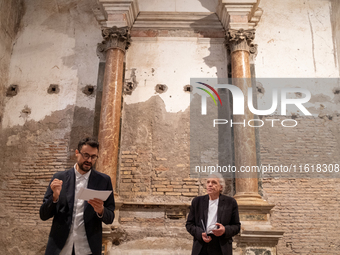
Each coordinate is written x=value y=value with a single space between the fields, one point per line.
x=57 y=45
x=307 y=209
x=335 y=12
x=155 y=138
x=41 y=125
x=295 y=40
x=160 y=135
x=10 y=22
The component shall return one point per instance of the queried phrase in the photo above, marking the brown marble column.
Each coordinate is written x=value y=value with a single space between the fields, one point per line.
x=116 y=42
x=240 y=42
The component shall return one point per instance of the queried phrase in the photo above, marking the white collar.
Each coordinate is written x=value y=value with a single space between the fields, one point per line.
x=78 y=175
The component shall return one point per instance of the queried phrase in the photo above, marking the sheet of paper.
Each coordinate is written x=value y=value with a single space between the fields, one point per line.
x=87 y=194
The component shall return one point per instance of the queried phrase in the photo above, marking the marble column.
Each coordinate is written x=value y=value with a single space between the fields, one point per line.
x=116 y=42
x=240 y=44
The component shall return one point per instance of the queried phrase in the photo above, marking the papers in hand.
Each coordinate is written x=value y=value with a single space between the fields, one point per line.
x=87 y=194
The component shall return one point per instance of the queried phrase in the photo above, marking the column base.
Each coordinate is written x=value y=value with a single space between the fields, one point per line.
x=257 y=236
x=250 y=199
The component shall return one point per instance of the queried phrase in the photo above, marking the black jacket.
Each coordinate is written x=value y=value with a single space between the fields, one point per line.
x=227 y=215
x=63 y=209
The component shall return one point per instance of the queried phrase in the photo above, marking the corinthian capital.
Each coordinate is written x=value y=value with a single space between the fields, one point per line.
x=115 y=38
x=240 y=39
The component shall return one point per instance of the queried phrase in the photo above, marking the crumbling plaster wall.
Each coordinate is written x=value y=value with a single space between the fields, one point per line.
x=158 y=141
x=56 y=45
x=10 y=20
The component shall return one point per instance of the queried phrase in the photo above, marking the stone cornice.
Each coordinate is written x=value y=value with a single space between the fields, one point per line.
x=120 y=13
x=178 y=20
x=237 y=14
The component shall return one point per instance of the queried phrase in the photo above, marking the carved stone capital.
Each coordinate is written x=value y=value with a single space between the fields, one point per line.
x=241 y=40
x=115 y=38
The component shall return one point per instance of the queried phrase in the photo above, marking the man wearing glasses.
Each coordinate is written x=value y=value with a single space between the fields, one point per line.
x=77 y=224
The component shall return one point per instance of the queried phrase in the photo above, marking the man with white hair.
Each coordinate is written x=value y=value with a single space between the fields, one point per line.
x=213 y=220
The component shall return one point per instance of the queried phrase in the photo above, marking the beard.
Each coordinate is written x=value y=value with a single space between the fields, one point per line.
x=85 y=166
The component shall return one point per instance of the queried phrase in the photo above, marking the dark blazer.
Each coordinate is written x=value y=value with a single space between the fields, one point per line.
x=63 y=209
x=227 y=215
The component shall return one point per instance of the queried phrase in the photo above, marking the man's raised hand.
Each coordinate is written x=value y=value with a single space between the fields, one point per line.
x=56 y=186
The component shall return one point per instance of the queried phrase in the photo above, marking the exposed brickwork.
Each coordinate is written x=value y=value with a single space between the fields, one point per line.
x=312 y=141
x=24 y=189
x=139 y=177
x=306 y=209
x=155 y=154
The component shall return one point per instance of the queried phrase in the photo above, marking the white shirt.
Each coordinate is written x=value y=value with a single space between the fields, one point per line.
x=77 y=236
x=212 y=215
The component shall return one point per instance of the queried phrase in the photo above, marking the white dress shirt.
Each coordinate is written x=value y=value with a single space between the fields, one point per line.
x=77 y=236
x=212 y=215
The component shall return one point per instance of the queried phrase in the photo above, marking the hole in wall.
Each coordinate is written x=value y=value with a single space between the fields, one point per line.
x=188 y=88
x=53 y=89
x=260 y=88
x=161 y=88
x=88 y=90
x=12 y=90
x=298 y=94
x=336 y=91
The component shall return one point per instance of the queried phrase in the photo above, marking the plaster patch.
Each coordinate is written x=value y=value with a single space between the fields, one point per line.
x=173 y=61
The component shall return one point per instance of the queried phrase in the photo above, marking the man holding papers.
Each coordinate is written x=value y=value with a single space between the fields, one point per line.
x=77 y=223
x=213 y=220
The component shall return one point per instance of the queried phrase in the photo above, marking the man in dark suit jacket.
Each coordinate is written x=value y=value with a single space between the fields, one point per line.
x=60 y=202
x=213 y=237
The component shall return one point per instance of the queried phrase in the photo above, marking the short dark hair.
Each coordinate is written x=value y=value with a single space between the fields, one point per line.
x=88 y=141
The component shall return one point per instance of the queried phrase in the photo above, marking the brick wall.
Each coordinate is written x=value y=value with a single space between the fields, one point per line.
x=307 y=209
x=24 y=188
x=143 y=175
x=28 y=162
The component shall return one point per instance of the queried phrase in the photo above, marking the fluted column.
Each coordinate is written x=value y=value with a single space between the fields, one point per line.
x=240 y=44
x=116 y=42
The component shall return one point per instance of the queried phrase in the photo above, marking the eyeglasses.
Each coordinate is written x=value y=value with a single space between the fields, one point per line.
x=87 y=156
